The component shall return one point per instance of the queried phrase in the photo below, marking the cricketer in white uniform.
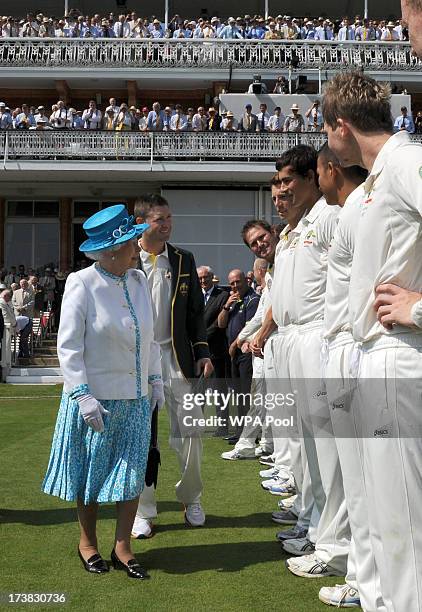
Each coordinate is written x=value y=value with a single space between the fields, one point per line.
x=342 y=186
x=298 y=297
x=387 y=251
x=180 y=331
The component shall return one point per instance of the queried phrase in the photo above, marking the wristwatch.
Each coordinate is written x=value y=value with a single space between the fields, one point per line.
x=226 y=309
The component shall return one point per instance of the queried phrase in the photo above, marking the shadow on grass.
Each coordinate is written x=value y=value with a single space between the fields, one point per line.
x=229 y=557
x=68 y=515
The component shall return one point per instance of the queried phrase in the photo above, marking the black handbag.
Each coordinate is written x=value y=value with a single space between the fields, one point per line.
x=154 y=459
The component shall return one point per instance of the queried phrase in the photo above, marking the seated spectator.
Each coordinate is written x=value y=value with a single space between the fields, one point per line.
x=92 y=117
x=214 y=120
x=276 y=121
x=199 y=121
x=178 y=121
x=281 y=86
x=156 y=118
x=249 y=121
x=229 y=124
x=263 y=118
x=294 y=122
x=314 y=117
x=404 y=122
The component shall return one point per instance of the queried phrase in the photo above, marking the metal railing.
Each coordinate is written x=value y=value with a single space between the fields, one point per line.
x=114 y=146
x=196 y=53
x=56 y=145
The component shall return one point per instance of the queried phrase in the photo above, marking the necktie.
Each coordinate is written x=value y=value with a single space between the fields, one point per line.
x=262 y=122
x=249 y=121
x=277 y=123
x=347 y=33
x=325 y=33
x=205 y=298
x=121 y=31
x=403 y=123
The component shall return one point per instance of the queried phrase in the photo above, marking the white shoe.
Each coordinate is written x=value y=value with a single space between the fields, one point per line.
x=287 y=503
x=271 y=473
x=272 y=482
x=194 y=515
x=340 y=596
x=142 y=528
x=310 y=566
x=298 y=546
x=258 y=451
x=234 y=455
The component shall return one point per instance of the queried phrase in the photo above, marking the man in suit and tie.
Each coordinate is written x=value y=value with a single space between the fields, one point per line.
x=23 y=304
x=249 y=121
x=155 y=120
x=179 y=329
x=214 y=300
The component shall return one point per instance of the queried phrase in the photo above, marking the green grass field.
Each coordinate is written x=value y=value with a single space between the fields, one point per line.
x=232 y=564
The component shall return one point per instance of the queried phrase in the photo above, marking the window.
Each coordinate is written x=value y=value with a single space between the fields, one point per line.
x=32 y=209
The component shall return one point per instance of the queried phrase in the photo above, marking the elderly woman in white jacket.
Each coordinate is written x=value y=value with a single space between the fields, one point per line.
x=108 y=357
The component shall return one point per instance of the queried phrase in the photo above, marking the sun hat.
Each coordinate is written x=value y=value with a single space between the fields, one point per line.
x=294 y=107
x=111 y=226
x=230 y=114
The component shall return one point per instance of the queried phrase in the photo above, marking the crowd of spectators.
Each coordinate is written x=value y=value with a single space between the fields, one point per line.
x=172 y=118
x=256 y=27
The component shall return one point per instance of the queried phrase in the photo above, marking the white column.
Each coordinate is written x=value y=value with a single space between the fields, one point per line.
x=266 y=9
x=166 y=15
x=365 y=10
x=66 y=7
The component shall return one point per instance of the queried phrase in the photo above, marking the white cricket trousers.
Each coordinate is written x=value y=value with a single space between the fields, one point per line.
x=246 y=443
x=333 y=537
x=288 y=443
x=362 y=573
x=188 y=449
x=388 y=398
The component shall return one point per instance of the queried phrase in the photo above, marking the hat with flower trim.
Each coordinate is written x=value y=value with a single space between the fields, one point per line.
x=111 y=226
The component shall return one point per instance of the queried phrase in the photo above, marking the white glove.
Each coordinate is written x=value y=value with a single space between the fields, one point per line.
x=157 y=395
x=92 y=411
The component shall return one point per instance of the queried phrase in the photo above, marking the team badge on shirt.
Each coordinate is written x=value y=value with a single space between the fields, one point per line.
x=309 y=238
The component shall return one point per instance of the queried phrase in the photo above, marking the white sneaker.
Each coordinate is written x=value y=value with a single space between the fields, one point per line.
x=298 y=547
x=272 y=482
x=340 y=596
x=310 y=566
x=271 y=473
x=234 y=455
x=258 y=451
x=142 y=528
x=194 y=515
x=287 y=503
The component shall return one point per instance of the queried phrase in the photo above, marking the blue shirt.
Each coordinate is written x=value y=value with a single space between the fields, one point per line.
x=404 y=122
x=241 y=313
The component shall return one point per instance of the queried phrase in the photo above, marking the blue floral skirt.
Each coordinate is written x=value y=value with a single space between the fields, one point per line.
x=99 y=467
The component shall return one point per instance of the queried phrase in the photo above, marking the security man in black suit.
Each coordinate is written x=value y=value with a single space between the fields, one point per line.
x=214 y=300
x=179 y=328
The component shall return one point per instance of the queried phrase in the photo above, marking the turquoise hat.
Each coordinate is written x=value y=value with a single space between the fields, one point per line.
x=110 y=226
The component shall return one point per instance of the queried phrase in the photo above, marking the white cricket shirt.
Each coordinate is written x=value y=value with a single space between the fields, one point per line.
x=388 y=246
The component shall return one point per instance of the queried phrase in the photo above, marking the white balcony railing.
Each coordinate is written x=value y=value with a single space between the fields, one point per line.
x=175 y=53
x=118 y=146
x=115 y=146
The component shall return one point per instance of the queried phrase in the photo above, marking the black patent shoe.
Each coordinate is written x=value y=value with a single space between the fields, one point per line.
x=133 y=569
x=95 y=564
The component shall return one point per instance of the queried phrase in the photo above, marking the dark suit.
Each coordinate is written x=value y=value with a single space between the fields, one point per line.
x=215 y=126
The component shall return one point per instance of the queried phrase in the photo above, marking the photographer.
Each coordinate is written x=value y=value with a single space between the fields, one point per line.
x=281 y=86
x=314 y=117
x=92 y=117
x=257 y=87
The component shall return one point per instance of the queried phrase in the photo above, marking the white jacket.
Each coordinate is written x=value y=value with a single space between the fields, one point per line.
x=97 y=336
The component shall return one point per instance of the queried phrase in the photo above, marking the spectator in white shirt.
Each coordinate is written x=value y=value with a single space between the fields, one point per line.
x=263 y=118
x=122 y=28
x=156 y=31
x=389 y=33
x=60 y=119
x=294 y=122
x=92 y=117
x=143 y=120
x=123 y=121
x=40 y=114
x=365 y=31
x=346 y=32
x=60 y=32
x=112 y=104
x=324 y=30
x=314 y=117
x=10 y=28
x=229 y=123
x=276 y=121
